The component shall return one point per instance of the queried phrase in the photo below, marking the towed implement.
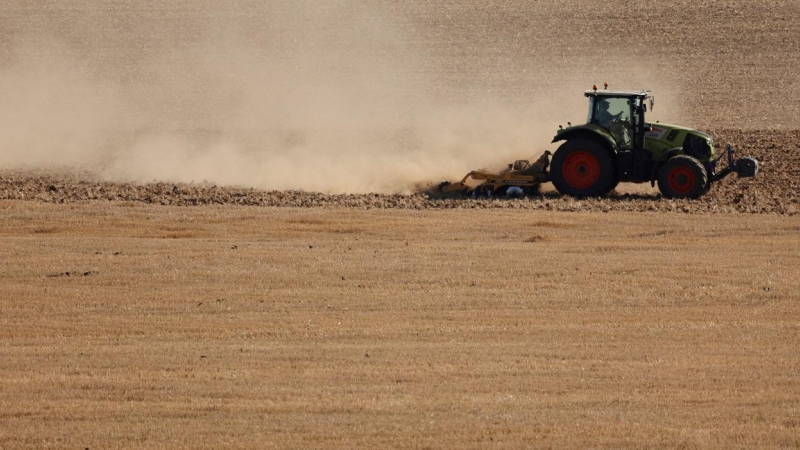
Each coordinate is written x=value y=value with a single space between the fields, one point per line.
x=520 y=178
x=617 y=145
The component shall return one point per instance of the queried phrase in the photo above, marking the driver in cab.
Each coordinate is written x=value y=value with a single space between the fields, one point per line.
x=605 y=118
x=616 y=124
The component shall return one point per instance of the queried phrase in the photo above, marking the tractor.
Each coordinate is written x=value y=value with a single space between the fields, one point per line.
x=618 y=145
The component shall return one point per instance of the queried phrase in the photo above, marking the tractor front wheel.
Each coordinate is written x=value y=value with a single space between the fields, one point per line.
x=682 y=177
x=582 y=168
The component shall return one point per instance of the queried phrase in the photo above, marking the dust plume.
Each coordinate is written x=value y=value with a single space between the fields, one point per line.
x=339 y=96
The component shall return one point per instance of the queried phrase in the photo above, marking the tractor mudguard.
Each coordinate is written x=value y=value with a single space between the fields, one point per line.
x=657 y=164
x=589 y=131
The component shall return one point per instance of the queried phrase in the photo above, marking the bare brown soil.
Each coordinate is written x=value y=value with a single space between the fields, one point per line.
x=774 y=190
x=354 y=97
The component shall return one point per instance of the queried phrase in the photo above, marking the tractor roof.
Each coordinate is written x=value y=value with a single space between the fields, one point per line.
x=607 y=93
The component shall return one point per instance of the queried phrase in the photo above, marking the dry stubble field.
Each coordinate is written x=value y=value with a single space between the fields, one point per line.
x=220 y=326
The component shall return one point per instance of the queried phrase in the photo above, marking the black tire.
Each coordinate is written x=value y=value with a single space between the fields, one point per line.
x=583 y=168
x=709 y=173
x=613 y=185
x=682 y=177
x=707 y=188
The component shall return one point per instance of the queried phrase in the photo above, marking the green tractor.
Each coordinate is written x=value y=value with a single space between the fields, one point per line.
x=618 y=145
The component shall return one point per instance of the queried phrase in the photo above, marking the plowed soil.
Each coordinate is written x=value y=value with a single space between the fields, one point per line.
x=773 y=191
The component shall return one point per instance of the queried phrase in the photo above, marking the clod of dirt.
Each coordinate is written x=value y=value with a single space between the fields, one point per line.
x=535 y=238
x=73 y=274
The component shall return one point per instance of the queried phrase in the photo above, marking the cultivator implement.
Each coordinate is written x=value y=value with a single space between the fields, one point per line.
x=520 y=178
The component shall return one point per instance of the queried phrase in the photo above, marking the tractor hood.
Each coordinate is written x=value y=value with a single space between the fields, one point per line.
x=663 y=136
x=669 y=133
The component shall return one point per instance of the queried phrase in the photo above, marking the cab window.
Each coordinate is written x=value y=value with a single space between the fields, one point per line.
x=619 y=108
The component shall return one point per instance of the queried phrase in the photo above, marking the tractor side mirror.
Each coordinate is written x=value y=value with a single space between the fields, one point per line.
x=652 y=102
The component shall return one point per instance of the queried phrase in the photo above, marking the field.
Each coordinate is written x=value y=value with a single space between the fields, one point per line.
x=216 y=228
x=220 y=326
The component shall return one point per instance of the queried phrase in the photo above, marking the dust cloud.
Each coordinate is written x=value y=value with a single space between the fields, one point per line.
x=341 y=96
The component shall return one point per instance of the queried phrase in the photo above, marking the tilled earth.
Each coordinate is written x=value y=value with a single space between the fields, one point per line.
x=773 y=191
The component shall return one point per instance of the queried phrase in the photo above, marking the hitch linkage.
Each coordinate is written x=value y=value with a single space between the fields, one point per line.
x=744 y=167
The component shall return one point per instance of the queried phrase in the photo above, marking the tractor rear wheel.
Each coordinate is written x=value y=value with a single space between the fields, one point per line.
x=582 y=168
x=682 y=177
x=614 y=185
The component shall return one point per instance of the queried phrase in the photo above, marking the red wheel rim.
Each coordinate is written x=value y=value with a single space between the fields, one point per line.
x=581 y=169
x=681 y=180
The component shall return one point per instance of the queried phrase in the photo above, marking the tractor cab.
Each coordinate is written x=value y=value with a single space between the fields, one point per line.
x=621 y=114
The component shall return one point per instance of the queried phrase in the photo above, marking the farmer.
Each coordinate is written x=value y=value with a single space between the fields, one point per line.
x=603 y=117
